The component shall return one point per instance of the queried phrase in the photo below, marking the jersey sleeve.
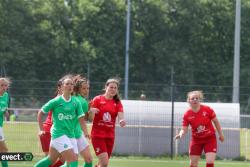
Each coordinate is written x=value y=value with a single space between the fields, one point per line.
x=49 y=106
x=185 y=121
x=95 y=102
x=119 y=107
x=212 y=114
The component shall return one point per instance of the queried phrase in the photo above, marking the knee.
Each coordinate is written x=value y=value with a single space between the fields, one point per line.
x=104 y=163
x=88 y=159
x=4 y=149
x=193 y=163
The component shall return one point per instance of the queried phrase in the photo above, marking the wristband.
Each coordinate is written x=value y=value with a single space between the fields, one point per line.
x=121 y=120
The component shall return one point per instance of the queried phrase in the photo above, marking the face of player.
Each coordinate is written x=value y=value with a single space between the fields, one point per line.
x=194 y=100
x=67 y=87
x=3 y=86
x=84 y=90
x=111 y=89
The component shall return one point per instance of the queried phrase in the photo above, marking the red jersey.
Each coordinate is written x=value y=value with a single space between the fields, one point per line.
x=200 y=122
x=47 y=124
x=104 y=121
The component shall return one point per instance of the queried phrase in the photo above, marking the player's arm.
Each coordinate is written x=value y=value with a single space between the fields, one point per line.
x=92 y=112
x=218 y=128
x=39 y=120
x=121 y=119
x=182 y=132
x=84 y=126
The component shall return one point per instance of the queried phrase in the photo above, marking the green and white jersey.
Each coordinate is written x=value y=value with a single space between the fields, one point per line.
x=85 y=107
x=4 y=100
x=65 y=115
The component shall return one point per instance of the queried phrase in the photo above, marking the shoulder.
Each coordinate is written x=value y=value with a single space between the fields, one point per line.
x=206 y=108
x=188 y=112
x=98 y=98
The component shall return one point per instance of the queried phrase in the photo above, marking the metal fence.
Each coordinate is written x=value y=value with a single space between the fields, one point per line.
x=33 y=93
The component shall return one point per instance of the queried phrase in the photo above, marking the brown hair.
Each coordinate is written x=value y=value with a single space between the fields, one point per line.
x=78 y=80
x=117 y=81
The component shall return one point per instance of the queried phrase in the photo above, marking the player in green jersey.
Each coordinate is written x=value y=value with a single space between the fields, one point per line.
x=4 y=101
x=66 y=113
x=81 y=91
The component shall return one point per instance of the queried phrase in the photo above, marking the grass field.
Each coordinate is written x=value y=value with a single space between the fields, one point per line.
x=145 y=162
x=22 y=137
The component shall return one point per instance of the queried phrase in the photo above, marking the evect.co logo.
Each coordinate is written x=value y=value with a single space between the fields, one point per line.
x=16 y=156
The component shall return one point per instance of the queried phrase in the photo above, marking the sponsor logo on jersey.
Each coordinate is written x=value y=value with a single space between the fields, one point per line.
x=201 y=128
x=106 y=117
x=62 y=117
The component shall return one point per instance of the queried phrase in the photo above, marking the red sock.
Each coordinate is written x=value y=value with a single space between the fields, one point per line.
x=58 y=163
x=209 y=165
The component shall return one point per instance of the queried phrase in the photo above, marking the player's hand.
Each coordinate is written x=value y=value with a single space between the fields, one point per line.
x=87 y=136
x=178 y=136
x=41 y=132
x=122 y=123
x=94 y=110
x=221 y=138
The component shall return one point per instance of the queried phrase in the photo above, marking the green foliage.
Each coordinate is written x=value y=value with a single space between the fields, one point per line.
x=43 y=40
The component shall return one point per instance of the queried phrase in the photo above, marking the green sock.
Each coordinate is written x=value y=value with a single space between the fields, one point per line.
x=45 y=162
x=87 y=164
x=64 y=165
x=73 y=164
x=4 y=163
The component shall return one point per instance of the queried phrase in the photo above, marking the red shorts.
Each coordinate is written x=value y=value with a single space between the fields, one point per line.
x=208 y=145
x=45 y=141
x=102 y=145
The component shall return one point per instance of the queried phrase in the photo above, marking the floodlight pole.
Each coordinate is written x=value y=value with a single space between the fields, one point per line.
x=236 y=73
x=126 y=78
x=172 y=114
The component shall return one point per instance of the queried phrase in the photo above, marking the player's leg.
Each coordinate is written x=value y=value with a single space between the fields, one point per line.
x=87 y=157
x=103 y=159
x=3 y=147
x=100 y=148
x=83 y=147
x=210 y=149
x=110 y=144
x=48 y=160
x=195 y=151
x=67 y=148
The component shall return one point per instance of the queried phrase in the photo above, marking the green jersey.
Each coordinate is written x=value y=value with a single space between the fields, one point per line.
x=65 y=115
x=85 y=107
x=4 y=100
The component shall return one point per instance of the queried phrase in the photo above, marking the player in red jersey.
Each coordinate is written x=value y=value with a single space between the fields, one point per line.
x=45 y=135
x=105 y=109
x=201 y=119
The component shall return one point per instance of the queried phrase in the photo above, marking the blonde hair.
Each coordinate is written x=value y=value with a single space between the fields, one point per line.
x=6 y=80
x=197 y=92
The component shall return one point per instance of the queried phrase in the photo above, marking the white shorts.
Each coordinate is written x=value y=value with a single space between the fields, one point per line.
x=64 y=143
x=1 y=134
x=82 y=143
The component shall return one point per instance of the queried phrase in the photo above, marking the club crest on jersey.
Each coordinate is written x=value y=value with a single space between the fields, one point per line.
x=204 y=114
x=106 y=117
